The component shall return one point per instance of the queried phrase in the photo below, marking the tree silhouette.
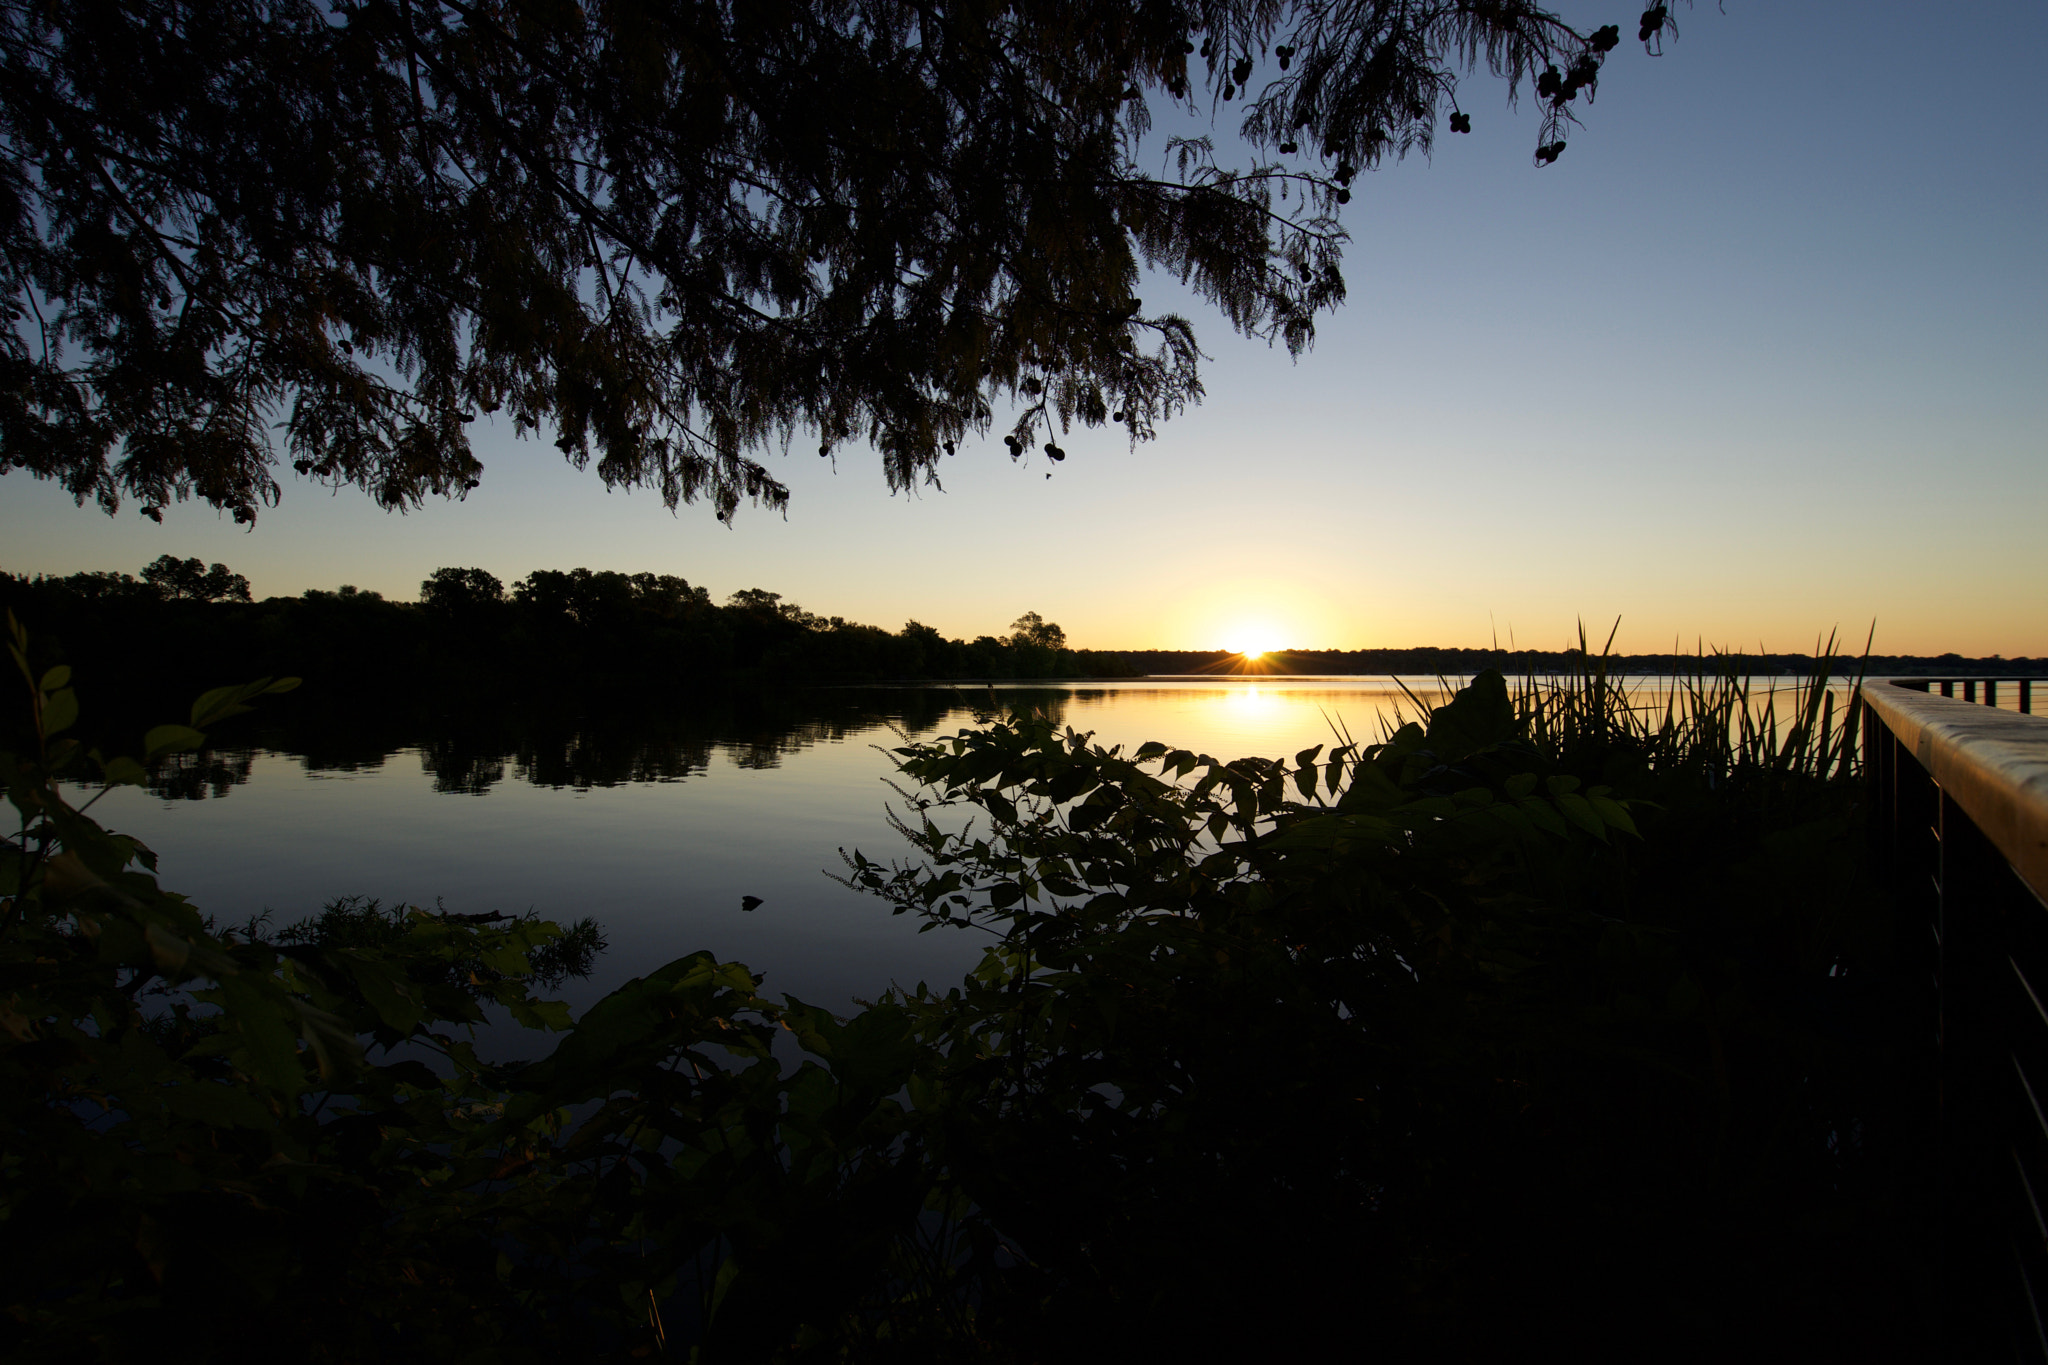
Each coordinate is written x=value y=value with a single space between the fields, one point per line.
x=1033 y=629
x=194 y=580
x=673 y=237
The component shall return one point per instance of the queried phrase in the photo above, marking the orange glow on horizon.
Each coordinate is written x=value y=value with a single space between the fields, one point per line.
x=1251 y=640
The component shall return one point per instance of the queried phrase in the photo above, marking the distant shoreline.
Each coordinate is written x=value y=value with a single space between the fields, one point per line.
x=1432 y=662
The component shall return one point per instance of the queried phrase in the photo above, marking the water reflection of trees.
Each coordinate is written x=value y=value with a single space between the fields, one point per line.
x=670 y=739
x=196 y=776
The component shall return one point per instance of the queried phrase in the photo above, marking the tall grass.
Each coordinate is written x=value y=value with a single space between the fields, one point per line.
x=1716 y=720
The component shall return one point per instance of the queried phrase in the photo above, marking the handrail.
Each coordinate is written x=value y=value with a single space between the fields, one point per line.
x=1959 y=824
x=1970 y=684
x=1993 y=763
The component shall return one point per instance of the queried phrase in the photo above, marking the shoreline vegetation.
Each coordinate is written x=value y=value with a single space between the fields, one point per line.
x=1548 y=1020
x=578 y=630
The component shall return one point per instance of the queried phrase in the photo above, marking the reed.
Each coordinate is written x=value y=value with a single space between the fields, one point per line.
x=1716 y=721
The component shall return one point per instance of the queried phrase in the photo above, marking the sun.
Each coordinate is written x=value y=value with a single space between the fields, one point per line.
x=1251 y=641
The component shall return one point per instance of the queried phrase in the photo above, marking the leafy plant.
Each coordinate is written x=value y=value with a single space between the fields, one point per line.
x=1410 y=1026
x=1489 y=1033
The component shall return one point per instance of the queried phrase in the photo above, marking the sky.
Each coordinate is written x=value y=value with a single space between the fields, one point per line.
x=1762 y=356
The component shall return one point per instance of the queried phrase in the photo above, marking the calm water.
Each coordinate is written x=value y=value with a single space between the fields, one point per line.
x=655 y=821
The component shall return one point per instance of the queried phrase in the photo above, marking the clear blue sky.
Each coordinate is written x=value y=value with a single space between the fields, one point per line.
x=1765 y=353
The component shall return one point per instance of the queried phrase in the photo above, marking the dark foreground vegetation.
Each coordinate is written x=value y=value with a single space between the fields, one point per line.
x=1547 y=1025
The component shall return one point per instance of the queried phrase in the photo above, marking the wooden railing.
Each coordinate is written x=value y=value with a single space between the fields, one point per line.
x=1960 y=800
x=2021 y=689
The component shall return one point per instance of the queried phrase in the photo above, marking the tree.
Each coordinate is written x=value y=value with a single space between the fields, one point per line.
x=675 y=236
x=1033 y=629
x=463 y=599
x=194 y=580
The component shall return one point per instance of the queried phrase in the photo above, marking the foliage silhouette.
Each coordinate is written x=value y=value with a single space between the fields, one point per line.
x=553 y=635
x=1497 y=1034
x=671 y=238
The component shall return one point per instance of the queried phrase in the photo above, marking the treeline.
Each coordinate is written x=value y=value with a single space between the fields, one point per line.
x=1456 y=663
x=182 y=622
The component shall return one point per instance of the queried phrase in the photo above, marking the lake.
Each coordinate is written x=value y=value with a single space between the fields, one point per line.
x=654 y=820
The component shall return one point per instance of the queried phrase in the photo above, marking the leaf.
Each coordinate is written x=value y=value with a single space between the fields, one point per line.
x=387 y=990
x=1542 y=814
x=268 y=1043
x=170 y=951
x=1370 y=786
x=223 y=702
x=171 y=739
x=58 y=677
x=552 y=1015
x=1582 y=814
x=410 y=1071
x=219 y=704
x=60 y=709
x=124 y=772
x=1614 y=813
